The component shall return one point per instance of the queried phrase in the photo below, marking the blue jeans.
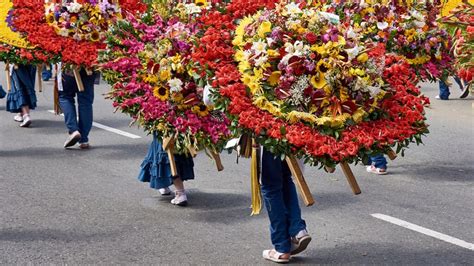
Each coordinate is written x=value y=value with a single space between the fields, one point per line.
x=281 y=202
x=378 y=161
x=444 y=88
x=84 y=100
x=47 y=73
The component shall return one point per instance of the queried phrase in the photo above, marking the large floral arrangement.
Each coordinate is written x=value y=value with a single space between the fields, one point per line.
x=408 y=29
x=397 y=119
x=305 y=66
x=82 y=21
x=16 y=50
x=423 y=43
x=30 y=19
x=148 y=62
x=460 y=23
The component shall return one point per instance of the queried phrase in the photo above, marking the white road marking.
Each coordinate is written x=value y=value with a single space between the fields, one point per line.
x=110 y=129
x=426 y=231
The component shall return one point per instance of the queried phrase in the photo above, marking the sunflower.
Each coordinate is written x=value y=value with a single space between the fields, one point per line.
x=50 y=18
x=201 y=3
x=161 y=93
x=95 y=36
x=200 y=110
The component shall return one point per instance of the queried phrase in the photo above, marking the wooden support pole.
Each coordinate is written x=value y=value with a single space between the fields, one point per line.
x=192 y=151
x=391 y=154
x=77 y=76
x=300 y=181
x=170 y=151
x=39 y=70
x=217 y=159
x=350 y=178
x=9 y=81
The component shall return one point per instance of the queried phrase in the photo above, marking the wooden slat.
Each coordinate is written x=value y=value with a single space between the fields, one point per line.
x=350 y=178
x=300 y=181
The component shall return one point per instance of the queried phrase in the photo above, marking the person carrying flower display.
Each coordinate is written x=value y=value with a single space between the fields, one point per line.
x=148 y=64
x=156 y=170
x=287 y=228
x=78 y=123
x=22 y=96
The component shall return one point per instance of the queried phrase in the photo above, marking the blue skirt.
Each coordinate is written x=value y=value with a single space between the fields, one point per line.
x=2 y=92
x=22 y=92
x=156 y=169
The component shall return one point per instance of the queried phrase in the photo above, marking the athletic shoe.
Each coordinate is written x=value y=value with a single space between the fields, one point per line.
x=72 y=139
x=180 y=198
x=26 y=121
x=300 y=242
x=165 y=191
x=18 y=118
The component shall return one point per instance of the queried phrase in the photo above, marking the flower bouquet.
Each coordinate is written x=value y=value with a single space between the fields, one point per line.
x=460 y=24
x=421 y=41
x=148 y=63
x=312 y=88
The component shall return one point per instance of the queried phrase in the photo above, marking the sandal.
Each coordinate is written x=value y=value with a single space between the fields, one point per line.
x=275 y=256
x=378 y=171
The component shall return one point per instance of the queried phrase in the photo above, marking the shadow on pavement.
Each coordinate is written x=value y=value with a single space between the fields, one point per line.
x=50 y=235
x=439 y=171
x=383 y=254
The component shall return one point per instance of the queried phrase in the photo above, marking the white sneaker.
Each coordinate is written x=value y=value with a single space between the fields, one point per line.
x=180 y=198
x=300 y=242
x=26 y=121
x=73 y=138
x=164 y=191
x=18 y=118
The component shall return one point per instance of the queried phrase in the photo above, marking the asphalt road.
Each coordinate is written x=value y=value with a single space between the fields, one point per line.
x=86 y=207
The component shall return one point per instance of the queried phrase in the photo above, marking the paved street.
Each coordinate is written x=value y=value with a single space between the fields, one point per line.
x=86 y=207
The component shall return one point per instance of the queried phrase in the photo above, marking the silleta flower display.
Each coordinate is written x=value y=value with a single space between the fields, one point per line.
x=47 y=31
x=148 y=62
x=397 y=116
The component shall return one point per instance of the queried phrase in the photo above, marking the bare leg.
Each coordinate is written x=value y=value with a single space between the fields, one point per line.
x=178 y=184
x=180 y=198
x=25 y=110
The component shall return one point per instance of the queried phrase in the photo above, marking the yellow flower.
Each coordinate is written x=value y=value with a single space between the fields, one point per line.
x=200 y=110
x=165 y=75
x=318 y=81
x=240 y=31
x=273 y=53
x=274 y=78
x=201 y=3
x=161 y=93
x=358 y=115
x=363 y=57
x=264 y=28
x=50 y=18
x=95 y=36
x=177 y=97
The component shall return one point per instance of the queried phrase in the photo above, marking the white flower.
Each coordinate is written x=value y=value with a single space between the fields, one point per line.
x=293 y=9
x=417 y=15
x=261 y=60
x=192 y=9
x=259 y=47
x=175 y=85
x=382 y=25
x=351 y=33
x=299 y=46
x=74 y=7
x=354 y=52
x=270 y=41
x=419 y=24
x=333 y=18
